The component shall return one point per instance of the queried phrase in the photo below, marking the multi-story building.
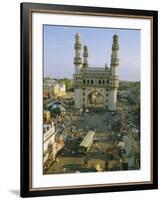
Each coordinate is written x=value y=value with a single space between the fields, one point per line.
x=48 y=140
x=53 y=88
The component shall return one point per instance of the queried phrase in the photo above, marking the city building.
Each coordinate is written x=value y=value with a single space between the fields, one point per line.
x=52 y=144
x=48 y=140
x=53 y=88
x=95 y=86
x=46 y=116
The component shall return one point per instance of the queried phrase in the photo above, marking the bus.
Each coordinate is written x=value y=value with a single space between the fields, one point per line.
x=86 y=142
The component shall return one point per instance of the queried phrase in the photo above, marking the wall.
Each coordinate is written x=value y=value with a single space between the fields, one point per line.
x=10 y=98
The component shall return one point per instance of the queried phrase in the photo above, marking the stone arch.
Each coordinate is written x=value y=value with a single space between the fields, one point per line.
x=95 y=98
x=97 y=89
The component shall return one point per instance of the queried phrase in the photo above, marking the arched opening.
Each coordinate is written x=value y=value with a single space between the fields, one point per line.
x=95 y=100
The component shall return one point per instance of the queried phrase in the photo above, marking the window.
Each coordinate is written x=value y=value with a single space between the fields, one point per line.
x=91 y=81
x=84 y=81
x=83 y=93
x=99 y=82
x=87 y=81
x=103 y=82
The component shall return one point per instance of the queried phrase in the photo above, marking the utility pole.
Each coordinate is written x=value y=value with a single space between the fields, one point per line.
x=107 y=158
x=122 y=121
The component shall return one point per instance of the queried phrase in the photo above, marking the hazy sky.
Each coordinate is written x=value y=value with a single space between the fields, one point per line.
x=59 y=50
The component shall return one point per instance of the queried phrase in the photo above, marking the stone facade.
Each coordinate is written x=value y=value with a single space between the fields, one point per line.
x=95 y=87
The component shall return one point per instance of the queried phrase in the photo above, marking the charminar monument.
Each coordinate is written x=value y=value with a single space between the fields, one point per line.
x=95 y=86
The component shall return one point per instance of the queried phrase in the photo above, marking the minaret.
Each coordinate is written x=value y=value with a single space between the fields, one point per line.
x=85 y=56
x=114 y=56
x=77 y=59
x=114 y=77
x=76 y=77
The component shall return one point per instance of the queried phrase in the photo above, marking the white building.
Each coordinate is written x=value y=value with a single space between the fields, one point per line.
x=52 y=142
x=95 y=86
x=53 y=88
x=48 y=139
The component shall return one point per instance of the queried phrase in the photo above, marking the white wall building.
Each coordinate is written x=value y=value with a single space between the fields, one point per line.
x=53 y=88
x=48 y=138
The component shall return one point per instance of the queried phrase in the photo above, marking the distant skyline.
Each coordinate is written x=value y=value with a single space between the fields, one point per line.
x=59 y=50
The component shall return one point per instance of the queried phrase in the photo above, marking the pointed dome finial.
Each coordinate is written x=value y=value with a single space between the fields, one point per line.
x=85 y=48
x=77 y=35
x=115 y=36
